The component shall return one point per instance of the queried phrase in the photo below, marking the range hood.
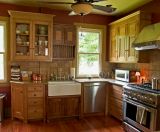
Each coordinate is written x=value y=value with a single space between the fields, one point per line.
x=148 y=38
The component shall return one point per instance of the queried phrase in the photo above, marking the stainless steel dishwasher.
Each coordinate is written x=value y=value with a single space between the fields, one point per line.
x=94 y=98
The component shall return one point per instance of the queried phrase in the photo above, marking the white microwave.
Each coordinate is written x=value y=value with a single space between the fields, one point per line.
x=122 y=75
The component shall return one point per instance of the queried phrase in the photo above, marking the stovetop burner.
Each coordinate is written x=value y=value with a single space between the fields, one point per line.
x=145 y=86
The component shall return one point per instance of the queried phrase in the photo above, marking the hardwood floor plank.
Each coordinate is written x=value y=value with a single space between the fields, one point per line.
x=87 y=124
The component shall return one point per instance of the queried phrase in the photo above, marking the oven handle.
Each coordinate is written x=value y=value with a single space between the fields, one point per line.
x=139 y=105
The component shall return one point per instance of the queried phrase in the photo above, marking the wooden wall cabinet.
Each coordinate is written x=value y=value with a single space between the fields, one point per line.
x=66 y=106
x=122 y=34
x=31 y=38
x=64 y=41
x=115 y=101
x=28 y=101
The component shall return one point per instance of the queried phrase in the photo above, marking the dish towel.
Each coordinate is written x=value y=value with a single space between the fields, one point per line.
x=141 y=115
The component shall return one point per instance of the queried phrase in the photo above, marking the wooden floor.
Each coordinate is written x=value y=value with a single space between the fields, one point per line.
x=88 y=124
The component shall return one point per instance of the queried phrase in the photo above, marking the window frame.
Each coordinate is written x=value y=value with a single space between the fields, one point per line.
x=99 y=52
x=4 y=22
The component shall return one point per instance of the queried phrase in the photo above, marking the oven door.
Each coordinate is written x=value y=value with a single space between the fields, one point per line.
x=138 y=115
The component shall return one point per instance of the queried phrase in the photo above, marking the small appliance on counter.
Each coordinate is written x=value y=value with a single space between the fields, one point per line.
x=125 y=75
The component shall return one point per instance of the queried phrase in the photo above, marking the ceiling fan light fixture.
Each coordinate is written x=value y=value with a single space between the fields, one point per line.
x=82 y=8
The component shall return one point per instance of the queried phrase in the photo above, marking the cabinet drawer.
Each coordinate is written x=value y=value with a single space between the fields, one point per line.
x=115 y=108
x=115 y=102
x=116 y=113
x=35 y=88
x=116 y=91
x=35 y=101
x=35 y=94
x=35 y=112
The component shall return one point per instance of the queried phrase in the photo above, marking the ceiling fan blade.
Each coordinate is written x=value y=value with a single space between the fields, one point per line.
x=89 y=1
x=92 y=1
x=108 y=9
x=47 y=2
x=72 y=13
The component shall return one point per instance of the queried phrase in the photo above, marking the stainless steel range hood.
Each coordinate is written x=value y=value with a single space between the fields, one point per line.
x=148 y=38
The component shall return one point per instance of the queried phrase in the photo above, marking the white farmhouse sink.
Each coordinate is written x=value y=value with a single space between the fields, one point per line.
x=61 y=88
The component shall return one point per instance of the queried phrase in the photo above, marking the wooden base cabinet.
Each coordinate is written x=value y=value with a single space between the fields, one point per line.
x=54 y=107
x=115 y=101
x=66 y=106
x=28 y=101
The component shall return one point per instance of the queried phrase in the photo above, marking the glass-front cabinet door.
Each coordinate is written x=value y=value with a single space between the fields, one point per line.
x=31 y=36
x=22 y=40
x=42 y=41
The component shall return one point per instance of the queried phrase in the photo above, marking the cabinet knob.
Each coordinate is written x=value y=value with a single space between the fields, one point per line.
x=34 y=94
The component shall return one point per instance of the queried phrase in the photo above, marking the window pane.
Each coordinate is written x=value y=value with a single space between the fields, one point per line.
x=1 y=38
x=89 y=42
x=2 y=67
x=88 y=64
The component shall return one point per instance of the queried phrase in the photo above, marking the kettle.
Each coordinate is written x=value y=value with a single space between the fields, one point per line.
x=155 y=83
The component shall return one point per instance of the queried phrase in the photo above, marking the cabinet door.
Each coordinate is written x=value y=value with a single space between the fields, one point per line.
x=64 y=38
x=42 y=41
x=55 y=108
x=113 y=43
x=21 y=39
x=132 y=31
x=58 y=34
x=115 y=101
x=18 y=97
x=71 y=106
x=121 y=42
x=69 y=35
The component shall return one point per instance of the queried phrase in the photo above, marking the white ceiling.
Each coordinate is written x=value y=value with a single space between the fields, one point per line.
x=123 y=6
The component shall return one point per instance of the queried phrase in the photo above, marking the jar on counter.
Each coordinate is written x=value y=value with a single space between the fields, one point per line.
x=34 y=77
x=39 y=78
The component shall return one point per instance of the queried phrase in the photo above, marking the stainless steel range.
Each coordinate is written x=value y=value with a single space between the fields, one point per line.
x=141 y=108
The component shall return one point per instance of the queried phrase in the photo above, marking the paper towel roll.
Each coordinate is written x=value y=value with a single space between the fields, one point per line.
x=72 y=73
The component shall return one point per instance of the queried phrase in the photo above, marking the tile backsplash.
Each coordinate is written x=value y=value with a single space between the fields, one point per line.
x=149 y=70
x=59 y=68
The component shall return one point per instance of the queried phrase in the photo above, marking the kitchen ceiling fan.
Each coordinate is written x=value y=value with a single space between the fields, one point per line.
x=84 y=7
